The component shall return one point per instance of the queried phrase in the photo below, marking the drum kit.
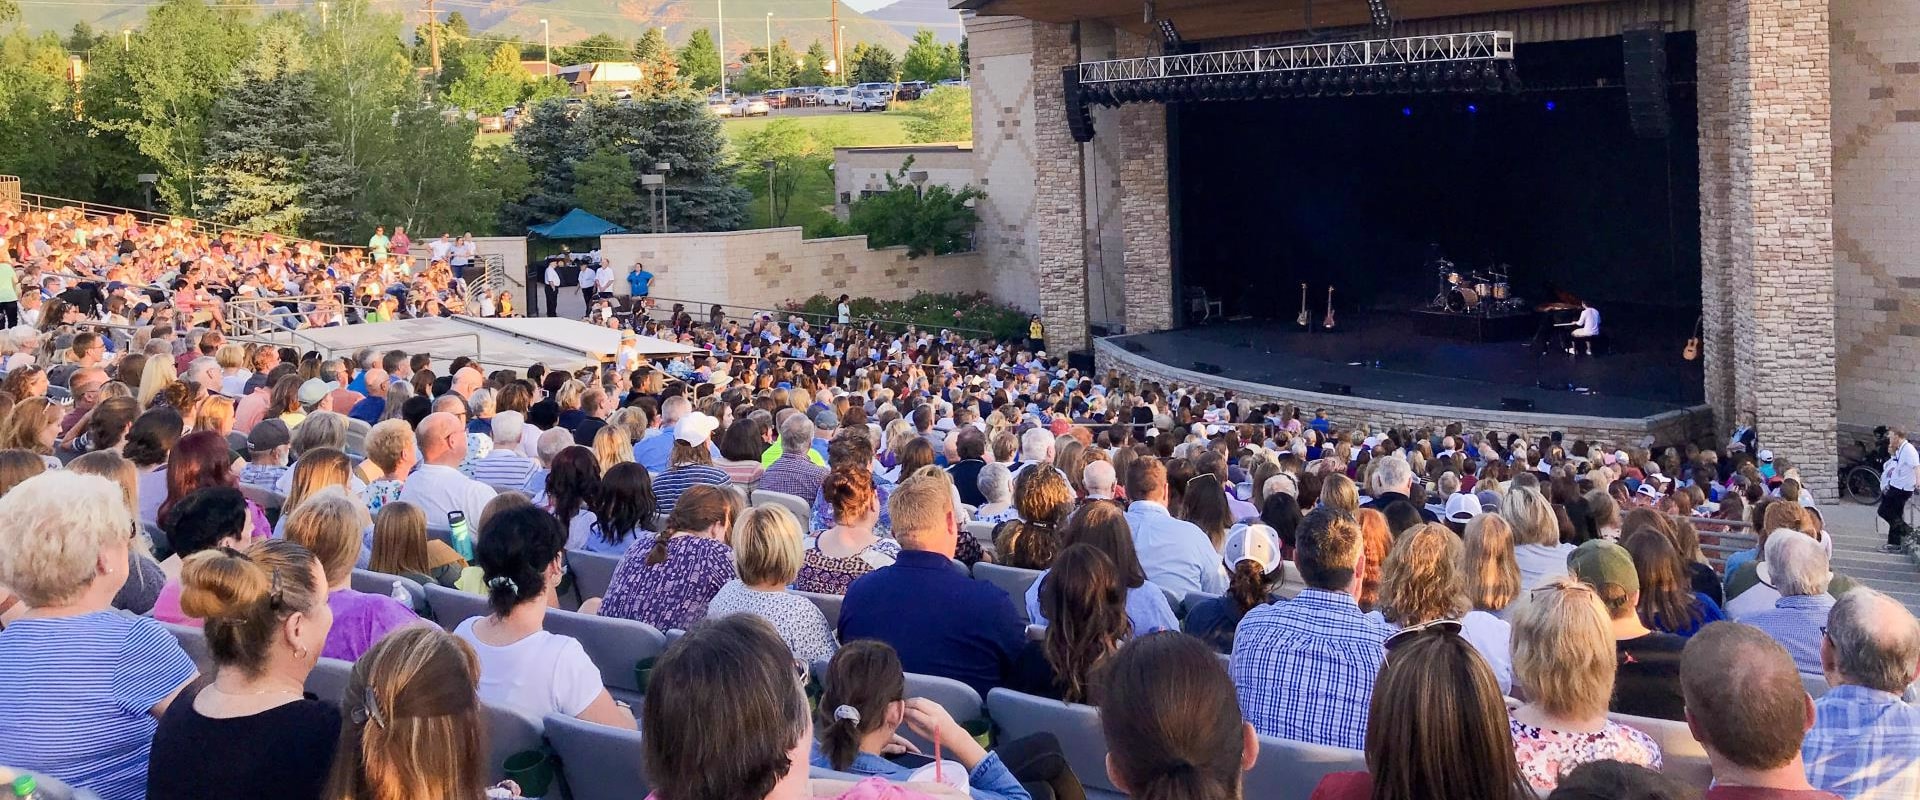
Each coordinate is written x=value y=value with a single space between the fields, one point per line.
x=1485 y=293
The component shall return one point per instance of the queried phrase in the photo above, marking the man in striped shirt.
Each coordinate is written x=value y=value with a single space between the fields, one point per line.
x=793 y=473
x=504 y=468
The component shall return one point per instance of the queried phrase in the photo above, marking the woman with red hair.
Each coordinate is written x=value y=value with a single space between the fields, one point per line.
x=200 y=460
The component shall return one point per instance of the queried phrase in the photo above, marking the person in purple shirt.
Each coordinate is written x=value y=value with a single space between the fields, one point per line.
x=939 y=620
x=330 y=525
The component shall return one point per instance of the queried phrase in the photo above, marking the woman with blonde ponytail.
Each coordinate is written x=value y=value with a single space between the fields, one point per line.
x=251 y=732
x=413 y=728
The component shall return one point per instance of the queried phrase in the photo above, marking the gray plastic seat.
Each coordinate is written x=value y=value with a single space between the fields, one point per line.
x=829 y=605
x=510 y=732
x=1289 y=770
x=1681 y=756
x=366 y=580
x=451 y=607
x=592 y=572
x=801 y=508
x=1077 y=727
x=600 y=762
x=1193 y=600
x=328 y=680
x=1012 y=580
x=616 y=646
x=194 y=641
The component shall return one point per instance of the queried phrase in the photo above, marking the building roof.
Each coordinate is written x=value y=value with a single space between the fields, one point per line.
x=1198 y=20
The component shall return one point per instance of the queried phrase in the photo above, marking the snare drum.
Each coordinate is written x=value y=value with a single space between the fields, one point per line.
x=1454 y=279
x=1501 y=291
x=1483 y=289
x=1461 y=298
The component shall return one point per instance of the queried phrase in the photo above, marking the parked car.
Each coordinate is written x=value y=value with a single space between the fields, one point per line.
x=836 y=96
x=911 y=90
x=720 y=108
x=751 y=107
x=952 y=82
x=869 y=100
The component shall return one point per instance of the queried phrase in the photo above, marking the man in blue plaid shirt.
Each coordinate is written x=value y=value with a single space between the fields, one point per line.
x=1305 y=668
x=1865 y=742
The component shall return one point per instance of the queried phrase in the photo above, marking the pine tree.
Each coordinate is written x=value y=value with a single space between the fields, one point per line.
x=700 y=61
x=273 y=161
x=813 y=66
x=677 y=129
x=875 y=64
x=925 y=59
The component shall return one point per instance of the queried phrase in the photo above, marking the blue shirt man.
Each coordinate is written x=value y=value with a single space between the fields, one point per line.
x=938 y=619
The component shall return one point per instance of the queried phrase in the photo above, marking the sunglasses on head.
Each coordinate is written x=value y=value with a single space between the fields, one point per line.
x=1439 y=626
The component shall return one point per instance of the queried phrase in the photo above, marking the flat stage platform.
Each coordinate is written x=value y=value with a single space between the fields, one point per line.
x=1385 y=355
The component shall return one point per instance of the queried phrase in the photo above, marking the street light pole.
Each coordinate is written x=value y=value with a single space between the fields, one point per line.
x=720 y=18
x=769 y=167
x=769 y=49
x=546 y=38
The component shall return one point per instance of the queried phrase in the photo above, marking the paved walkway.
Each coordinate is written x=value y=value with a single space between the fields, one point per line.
x=1857 y=536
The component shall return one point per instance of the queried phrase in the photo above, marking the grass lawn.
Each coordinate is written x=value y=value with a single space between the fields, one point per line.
x=812 y=202
x=863 y=129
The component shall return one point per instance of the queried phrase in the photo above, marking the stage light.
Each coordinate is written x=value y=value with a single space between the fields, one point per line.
x=1170 y=35
x=1406 y=111
x=1473 y=109
x=1549 y=105
x=1382 y=16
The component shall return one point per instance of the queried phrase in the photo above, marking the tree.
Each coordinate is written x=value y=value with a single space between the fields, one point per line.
x=492 y=86
x=432 y=188
x=176 y=65
x=543 y=89
x=813 y=66
x=934 y=221
x=598 y=47
x=944 y=114
x=9 y=10
x=651 y=46
x=700 y=61
x=500 y=179
x=876 y=64
x=42 y=140
x=793 y=151
x=604 y=184
x=272 y=160
x=83 y=38
x=928 y=60
x=677 y=129
x=961 y=53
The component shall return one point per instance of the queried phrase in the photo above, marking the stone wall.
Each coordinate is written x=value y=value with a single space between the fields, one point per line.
x=865 y=169
x=1001 y=77
x=1145 y=204
x=1670 y=428
x=768 y=268
x=1060 y=256
x=1876 y=192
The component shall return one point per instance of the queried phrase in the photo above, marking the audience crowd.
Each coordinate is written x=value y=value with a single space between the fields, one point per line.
x=1479 y=614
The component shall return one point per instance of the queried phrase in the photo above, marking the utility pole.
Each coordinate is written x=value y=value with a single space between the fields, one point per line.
x=769 y=49
x=433 y=36
x=720 y=18
x=546 y=47
x=833 y=12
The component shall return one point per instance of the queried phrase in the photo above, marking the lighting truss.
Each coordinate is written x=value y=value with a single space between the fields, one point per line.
x=1447 y=48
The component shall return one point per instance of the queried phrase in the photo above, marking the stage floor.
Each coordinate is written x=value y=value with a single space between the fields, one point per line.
x=1383 y=356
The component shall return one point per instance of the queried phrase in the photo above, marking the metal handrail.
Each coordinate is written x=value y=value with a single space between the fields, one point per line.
x=699 y=308
x=45 y=202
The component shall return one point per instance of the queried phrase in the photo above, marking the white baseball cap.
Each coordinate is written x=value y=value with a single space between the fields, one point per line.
x=1463 y=507
x=694 y=428
x=1257 y=543
x=1766 y=456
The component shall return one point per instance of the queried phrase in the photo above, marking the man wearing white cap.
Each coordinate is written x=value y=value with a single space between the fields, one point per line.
x=689 y=463
x=1462 y=508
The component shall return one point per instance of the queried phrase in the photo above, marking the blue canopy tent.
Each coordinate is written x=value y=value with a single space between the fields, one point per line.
x=576 y=224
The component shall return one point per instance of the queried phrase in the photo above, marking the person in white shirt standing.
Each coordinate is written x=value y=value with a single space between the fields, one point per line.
x=589 y=284
x=551 y=284
x=1896 y=487
x=438 y=486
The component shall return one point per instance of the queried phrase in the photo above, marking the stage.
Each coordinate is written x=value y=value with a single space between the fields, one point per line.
x=1397 y=372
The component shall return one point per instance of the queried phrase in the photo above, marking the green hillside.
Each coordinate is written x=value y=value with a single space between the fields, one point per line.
x=798 y=21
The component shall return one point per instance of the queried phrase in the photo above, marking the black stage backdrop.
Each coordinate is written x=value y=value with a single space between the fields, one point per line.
x=1350 y=191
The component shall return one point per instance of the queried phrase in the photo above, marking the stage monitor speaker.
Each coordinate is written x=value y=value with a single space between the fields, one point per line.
x=1515 y=404
x=1133 y=346
x=1210 y=369
x=1643 y=50
x=1329 y=387
x=1081 y=360
x=1079 y=117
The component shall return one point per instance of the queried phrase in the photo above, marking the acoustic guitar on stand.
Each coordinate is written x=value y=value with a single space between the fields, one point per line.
x=1328 y=323
x=1304 y=320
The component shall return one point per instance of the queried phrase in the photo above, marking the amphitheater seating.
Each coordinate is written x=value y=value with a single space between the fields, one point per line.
x=600 y=762
x=1288 y=770
x=1681 y=756
x=1012 y=580
x=366 y=580
x=592 y=572
x=802 y=510
x=328 y=680
x=829 y=605
x=1017 y=715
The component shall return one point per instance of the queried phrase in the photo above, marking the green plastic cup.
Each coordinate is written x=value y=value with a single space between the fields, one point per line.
x=981 y=730
x=532 y=770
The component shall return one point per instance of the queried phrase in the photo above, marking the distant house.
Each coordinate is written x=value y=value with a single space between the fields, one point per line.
x=601 y=76
x=538 y=68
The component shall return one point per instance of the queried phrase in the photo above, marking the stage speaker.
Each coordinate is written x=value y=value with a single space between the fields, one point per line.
x=1079 y=117
x=1133 y=346
x=1329 y=387
x=1515 y=404
x=1643 y=50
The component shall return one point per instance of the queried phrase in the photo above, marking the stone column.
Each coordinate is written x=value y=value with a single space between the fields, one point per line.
x=1058 y=210
x=1716 y=270
x=1144 y=205
x=1781 y=244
